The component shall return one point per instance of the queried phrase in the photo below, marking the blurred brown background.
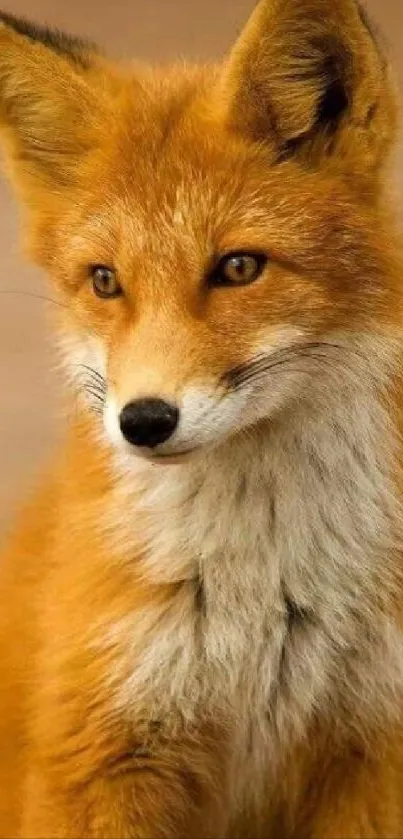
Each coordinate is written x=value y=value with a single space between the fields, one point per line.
x=150 y=29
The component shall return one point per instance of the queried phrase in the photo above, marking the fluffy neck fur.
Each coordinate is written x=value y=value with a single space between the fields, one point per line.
x=286 y=542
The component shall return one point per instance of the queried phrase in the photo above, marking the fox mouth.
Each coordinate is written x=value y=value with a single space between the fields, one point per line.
x=209 y=416
x=172 y=458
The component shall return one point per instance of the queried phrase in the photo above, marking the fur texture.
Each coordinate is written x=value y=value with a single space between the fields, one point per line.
x=204 y=638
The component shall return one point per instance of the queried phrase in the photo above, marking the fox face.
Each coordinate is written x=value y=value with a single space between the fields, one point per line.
x=217 y=237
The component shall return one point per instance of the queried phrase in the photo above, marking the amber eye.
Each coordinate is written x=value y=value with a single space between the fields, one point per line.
x=105 y=282
x=238 y=269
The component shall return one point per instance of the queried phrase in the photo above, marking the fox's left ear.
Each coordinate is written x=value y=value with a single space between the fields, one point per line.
x=51 y=104
x=309 y=77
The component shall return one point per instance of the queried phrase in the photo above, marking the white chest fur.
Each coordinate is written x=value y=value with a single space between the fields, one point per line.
x=285 y=544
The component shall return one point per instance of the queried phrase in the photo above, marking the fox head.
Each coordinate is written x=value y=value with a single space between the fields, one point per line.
x=213 y=233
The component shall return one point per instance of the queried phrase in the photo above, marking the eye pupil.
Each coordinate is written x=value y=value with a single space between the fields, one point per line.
x=238 y=269
x=105 y=282
x=239 y=264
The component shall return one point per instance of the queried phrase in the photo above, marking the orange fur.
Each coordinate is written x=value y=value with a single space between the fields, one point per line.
x=281 y=150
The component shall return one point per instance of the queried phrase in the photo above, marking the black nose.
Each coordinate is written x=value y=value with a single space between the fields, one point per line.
x=148 y=422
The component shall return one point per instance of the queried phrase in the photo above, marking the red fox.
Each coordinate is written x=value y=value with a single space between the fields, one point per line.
x=201 y=628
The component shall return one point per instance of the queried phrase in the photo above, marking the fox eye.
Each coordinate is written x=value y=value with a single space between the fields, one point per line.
x=238 y=269
x=105 y=282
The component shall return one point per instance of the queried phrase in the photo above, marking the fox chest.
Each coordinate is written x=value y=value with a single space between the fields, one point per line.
x=229 y=641
x=274 y=572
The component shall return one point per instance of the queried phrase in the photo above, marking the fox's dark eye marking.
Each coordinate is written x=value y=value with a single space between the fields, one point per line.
x=105 y=282
x=237 y=268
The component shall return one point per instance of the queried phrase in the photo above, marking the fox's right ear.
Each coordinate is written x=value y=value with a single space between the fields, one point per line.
x=50 y=107
x=309 y=77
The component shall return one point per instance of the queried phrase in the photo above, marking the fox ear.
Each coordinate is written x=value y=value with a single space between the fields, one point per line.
x=49 y=105
x=79 y=51
x=308 y=76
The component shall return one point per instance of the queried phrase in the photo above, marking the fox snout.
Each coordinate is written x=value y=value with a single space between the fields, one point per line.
x=164 y=424
x=148 y=423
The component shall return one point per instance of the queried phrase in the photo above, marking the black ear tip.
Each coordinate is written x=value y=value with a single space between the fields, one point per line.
x=76 y=49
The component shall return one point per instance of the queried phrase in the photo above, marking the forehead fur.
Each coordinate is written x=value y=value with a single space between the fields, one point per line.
x=171 y=159
x=305 y=80
x=174 y=156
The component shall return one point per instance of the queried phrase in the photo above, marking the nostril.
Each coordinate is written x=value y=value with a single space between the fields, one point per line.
x=148 y=422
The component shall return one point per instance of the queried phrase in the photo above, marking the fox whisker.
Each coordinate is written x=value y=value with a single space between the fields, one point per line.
x=263 y=364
